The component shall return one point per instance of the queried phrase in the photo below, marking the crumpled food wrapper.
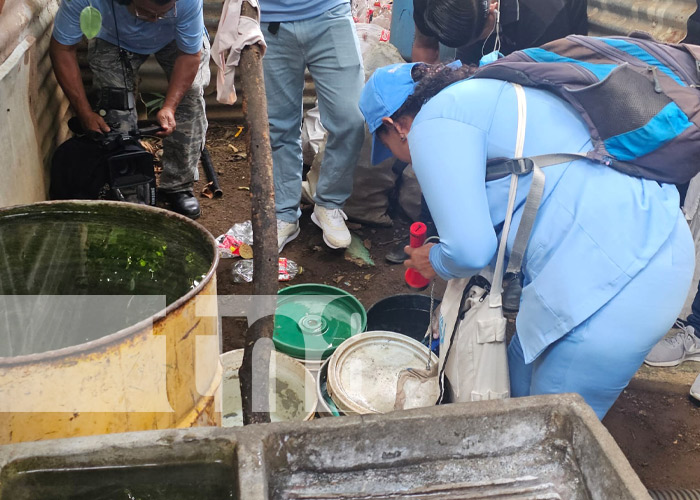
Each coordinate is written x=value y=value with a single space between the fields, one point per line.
x=237 y=241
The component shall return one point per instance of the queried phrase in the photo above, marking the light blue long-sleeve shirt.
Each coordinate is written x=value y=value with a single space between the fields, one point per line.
x=595 y=230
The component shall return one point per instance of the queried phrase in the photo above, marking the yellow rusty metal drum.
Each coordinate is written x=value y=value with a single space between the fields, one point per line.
x=70 y=267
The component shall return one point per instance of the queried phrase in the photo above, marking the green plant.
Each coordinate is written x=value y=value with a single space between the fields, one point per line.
x=153 y=104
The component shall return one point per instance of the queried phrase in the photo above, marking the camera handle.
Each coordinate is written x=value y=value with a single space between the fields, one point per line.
x=77 y=128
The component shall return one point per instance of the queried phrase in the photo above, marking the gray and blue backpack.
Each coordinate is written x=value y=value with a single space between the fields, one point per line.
x=640 y=99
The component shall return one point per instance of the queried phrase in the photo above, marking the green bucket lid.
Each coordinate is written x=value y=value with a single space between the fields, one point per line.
x=312 y=320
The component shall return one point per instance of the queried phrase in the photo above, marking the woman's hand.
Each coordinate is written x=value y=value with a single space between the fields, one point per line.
x=419 y=259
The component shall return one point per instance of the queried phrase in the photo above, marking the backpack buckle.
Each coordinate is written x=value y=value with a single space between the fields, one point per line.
x=519 y=166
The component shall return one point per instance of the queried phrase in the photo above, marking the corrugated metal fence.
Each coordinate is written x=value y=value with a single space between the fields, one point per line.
x=666 y=20
x=20 y=19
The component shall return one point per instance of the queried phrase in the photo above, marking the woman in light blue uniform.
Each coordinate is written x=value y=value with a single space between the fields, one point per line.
x=610 y=257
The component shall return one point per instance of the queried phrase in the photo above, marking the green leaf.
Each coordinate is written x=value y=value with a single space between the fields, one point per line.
x=153 y=102
x=90 y=22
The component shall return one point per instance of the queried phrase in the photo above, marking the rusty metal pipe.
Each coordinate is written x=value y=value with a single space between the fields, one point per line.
x=264 y=222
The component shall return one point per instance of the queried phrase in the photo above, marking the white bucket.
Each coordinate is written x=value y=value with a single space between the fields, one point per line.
x=364 y=370
x=294 y=390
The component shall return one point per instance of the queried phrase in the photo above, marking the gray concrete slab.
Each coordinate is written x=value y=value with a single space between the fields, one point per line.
x=539 y=447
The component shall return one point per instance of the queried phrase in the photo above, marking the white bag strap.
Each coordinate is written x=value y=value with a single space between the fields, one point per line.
x=497 y=285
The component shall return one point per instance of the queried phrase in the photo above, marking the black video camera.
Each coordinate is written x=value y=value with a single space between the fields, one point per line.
x=125 y=164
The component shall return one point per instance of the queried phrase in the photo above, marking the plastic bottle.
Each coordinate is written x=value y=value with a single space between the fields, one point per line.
x=243 y=270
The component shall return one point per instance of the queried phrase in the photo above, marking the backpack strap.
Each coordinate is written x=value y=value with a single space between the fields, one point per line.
x=694 y=51
x=497 y=169
x=497 y=285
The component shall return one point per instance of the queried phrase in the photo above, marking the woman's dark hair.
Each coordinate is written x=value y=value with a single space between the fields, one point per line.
x=431 y=79
x=454 y=22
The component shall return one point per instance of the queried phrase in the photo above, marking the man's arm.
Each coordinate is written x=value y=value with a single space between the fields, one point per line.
x=65 y=66
x=425 y=48
x=184 y=72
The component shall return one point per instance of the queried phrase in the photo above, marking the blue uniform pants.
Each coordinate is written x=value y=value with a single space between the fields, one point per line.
x=328 y=46
x=598 y=358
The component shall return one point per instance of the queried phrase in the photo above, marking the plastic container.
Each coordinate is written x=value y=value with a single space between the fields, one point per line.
x=294 y=396
x=312 y=320
x=407 y=313
x=363 y=372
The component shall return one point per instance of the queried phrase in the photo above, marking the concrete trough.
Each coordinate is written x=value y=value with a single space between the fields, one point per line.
x=545 y=447
x=550 y=447
x=167 y=464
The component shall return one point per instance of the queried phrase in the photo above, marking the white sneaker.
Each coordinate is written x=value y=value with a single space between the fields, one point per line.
x=672 y=351
x=332 y=222
x=286 y=232
x=695 y=389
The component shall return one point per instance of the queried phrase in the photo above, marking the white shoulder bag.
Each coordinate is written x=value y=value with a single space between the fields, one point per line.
x=473 y=362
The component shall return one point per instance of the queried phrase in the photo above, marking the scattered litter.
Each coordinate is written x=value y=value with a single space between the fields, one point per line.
x=357 y=253
x=239 y=156
x=233 y=148
x=368 y=244
x=240 y=235
x=368 y=276
x=243 y=270
x=347 y=283
x=338 y=279
x=245 y=251
x=243 y=188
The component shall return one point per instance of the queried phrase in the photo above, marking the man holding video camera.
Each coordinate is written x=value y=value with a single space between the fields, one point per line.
x=130 y=31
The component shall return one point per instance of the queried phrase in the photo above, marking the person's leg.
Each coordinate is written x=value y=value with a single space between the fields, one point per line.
x=109 y=69
x=183 y=148
x=283 y=67
x=335 y=63
x=599 y=357
x=694 y=317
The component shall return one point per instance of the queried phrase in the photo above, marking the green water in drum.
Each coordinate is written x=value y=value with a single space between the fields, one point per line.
x=72 y=272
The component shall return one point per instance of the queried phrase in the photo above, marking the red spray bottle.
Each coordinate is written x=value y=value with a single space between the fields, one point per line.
x=413 y=278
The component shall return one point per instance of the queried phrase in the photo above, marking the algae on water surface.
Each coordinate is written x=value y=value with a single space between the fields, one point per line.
x=70 y=277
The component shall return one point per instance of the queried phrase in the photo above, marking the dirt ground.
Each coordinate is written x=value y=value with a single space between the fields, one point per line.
x=659 y=432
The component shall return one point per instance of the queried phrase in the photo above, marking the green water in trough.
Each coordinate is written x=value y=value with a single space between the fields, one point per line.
x=72 y=272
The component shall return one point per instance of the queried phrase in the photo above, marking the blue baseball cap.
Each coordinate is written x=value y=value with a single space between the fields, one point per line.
x=384 y=93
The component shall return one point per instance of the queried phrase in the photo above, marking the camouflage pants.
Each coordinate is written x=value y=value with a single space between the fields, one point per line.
x=182 y=149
